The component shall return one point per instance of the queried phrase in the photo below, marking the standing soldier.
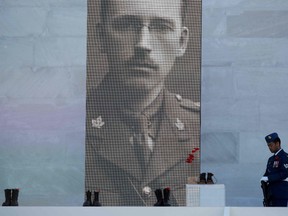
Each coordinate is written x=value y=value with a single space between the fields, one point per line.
x=276 y=174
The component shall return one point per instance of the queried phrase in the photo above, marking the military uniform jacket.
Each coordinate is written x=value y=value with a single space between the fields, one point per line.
x=277 y=172
x=113 y=167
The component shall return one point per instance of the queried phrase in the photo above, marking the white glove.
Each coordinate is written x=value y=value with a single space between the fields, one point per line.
x=264 y=178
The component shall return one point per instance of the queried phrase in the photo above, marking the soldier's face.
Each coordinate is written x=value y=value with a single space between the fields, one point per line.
x=274 y=147
x=142 y=39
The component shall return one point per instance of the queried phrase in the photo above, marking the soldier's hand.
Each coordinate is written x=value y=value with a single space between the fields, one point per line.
x=264 y=178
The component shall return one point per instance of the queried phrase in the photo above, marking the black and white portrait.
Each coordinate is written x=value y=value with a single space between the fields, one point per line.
x=143 y=99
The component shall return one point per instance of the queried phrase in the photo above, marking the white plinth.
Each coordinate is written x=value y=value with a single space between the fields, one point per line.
x=198 y=195
x=142 y=211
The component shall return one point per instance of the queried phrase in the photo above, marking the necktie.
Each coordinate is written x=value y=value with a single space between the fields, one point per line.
x=141 y=141
x=142 y=150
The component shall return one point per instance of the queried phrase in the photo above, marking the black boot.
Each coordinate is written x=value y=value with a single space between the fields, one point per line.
x=202 y=178
x=209 y=178
x=159 y=197
x=96 y=199
x=8 y=197
x=88 y=201
x=14 y=199
x=166 y=193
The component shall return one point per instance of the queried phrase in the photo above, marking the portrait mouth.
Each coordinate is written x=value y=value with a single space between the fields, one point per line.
x=141 y=68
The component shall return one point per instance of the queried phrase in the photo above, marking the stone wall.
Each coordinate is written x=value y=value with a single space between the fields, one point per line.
x=244 y=91
x=42 y=100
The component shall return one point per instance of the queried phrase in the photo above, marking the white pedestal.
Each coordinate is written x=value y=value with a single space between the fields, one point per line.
x=206 y=195
x=142 y=211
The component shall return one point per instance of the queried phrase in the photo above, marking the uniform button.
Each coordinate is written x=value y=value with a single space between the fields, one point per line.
x=178 y=97
x=147 y=191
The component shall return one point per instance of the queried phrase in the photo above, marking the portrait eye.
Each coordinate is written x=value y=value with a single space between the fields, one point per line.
x=126 y=24
x=162 y=26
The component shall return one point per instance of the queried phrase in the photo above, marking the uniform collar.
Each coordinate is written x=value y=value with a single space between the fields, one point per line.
x=146 y=117
x=278 y=151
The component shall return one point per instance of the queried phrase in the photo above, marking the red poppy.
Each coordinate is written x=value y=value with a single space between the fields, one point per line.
x=191 y=156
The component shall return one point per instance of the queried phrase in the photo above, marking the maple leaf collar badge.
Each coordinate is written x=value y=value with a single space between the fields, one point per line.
x=98 y=122
x=179 y=124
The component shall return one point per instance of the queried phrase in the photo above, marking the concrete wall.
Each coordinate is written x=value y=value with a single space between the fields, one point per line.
x=244 y=91
x=42 y=100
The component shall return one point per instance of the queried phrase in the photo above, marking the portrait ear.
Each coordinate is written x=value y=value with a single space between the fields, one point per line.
x=183 y=41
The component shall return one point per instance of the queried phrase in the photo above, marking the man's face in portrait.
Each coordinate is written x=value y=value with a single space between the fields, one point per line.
x=142 y=39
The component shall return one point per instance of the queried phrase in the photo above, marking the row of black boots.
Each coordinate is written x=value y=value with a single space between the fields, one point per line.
x=11 y=197
x=208 y=180
x=162 y=198
x=89 y=202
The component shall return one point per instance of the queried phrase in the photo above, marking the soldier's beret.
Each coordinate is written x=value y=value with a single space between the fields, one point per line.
x=271 y=137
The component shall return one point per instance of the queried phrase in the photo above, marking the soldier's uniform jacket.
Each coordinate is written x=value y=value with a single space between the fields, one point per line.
x=113 y=167
x=277 y=173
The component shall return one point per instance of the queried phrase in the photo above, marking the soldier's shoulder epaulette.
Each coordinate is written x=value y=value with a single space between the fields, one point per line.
x=187 y=103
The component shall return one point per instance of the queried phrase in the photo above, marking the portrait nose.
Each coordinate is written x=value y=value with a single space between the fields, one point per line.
x=144 y=39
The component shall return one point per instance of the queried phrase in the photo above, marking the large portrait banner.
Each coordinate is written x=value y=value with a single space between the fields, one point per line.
x=143 y=101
